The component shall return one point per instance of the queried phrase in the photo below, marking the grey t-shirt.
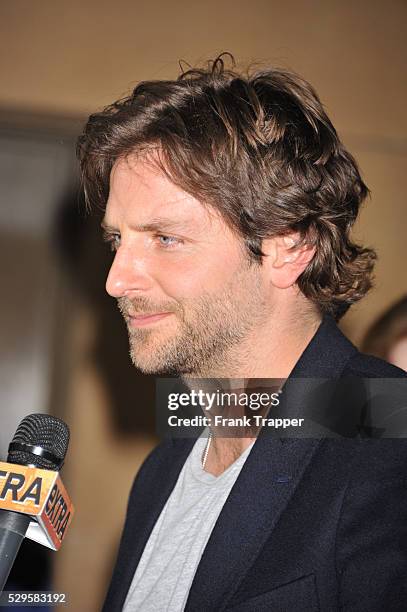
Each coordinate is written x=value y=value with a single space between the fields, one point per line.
x=168 y=564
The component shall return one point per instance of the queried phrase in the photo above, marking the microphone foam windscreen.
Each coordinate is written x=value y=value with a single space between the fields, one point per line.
x=45 y=431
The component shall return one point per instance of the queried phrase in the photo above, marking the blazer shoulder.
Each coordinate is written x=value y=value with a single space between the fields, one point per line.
x=367 y=366
x=160 y=461
x=156 y=456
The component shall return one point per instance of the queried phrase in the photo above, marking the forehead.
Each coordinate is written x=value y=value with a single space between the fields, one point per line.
x=140 y=191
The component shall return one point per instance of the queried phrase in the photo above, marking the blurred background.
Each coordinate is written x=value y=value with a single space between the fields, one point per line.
x=64 y=346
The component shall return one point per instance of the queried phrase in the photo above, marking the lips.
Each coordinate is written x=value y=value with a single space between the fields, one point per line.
x=140 y=320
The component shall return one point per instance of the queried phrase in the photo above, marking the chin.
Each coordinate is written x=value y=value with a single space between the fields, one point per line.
x=147 y=365
x=163 y=355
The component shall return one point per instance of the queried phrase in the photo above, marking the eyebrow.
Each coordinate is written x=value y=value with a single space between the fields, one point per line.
x=157 y=224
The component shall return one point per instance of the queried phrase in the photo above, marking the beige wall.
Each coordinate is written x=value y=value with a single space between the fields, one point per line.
x=72 y=57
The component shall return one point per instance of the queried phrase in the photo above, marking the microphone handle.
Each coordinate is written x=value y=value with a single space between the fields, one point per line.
x=13 y=527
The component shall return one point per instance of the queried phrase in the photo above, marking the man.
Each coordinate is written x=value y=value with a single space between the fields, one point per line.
x=229 y=202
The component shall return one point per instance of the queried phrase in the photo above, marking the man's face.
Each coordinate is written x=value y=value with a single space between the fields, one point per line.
x=183 y=280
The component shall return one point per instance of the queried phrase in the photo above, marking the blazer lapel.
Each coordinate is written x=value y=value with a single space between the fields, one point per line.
x=265 y=485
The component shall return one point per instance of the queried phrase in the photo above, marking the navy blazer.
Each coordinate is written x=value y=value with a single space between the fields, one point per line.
x=310 y=524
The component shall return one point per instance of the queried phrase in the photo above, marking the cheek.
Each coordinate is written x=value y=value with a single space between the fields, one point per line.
x=190 y=276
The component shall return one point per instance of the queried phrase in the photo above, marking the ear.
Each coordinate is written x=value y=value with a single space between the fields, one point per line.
x=285 y=261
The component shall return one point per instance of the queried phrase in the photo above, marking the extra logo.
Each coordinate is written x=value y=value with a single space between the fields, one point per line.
x=42 y=495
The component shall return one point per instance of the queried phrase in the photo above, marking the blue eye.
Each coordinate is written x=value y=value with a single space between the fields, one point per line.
x=167 y=241
x=113 y=240
x=115 y=243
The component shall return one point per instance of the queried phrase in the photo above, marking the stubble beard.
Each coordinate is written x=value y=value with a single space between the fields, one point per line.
x=208 y=333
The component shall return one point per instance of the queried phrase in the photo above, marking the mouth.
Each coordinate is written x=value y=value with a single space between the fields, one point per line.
x=141 y=320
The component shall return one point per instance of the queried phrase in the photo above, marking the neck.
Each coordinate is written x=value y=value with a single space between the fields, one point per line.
x=271 y=352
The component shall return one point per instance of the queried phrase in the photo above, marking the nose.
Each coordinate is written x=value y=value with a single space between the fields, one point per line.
x=127 y=275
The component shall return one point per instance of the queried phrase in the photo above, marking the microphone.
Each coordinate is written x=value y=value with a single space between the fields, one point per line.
x=33 y=500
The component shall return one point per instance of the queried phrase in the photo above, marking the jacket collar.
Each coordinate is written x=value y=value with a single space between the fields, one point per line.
x=326 y=355
x=270 y=476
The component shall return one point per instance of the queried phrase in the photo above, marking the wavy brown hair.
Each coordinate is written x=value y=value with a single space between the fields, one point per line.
x=257 y=147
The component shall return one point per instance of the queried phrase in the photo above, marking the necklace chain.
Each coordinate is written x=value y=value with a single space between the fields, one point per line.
x=206 y=449
x=208 y=443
